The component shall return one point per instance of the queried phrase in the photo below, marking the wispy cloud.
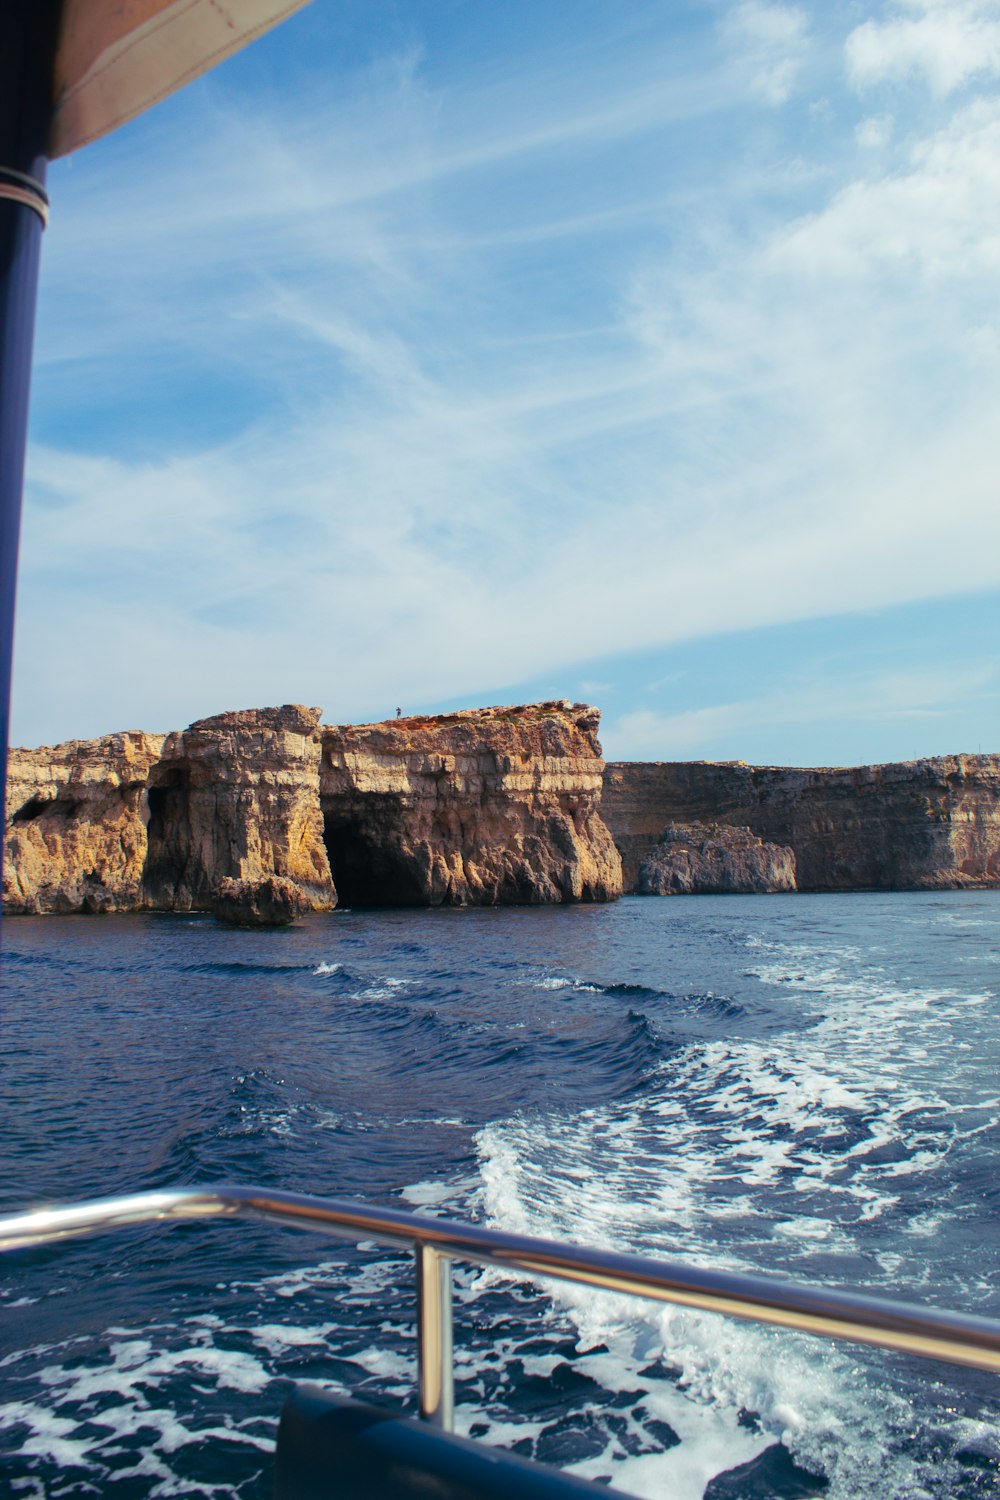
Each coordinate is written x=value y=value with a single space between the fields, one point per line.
x=770 y=42
x=723 y=731
x=423 y=385
x=933 y=217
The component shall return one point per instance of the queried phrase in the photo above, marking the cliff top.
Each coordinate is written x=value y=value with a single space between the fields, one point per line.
x=955 y=763
x=583 y=715
x=556 y=728
x=302 y=720
x=294 y=718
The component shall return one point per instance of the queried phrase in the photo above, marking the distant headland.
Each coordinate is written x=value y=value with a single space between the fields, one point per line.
x=263 y=815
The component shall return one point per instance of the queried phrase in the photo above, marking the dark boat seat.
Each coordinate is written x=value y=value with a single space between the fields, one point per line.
x=332 y=1448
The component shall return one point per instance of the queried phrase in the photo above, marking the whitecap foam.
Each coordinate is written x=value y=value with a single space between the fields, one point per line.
x=381 y=987
x=94 y=1406
x=749 y=1154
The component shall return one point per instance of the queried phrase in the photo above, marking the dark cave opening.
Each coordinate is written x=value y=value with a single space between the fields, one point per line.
x=38 y=807
x=168 y=830
x=368 y=869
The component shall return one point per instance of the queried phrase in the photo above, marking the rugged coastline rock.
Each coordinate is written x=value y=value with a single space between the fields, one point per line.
x=244 y=814
x=224 y=815
x=256 y=815
x=698 y=859
x=911 y=825
x=235 y=798
x=273 y=901
x=76 y=824
x=485 y=807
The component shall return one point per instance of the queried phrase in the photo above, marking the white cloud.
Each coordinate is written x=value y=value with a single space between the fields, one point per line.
x=936 y=220
x=948 y=41
x=770 y=43
x=462 y=463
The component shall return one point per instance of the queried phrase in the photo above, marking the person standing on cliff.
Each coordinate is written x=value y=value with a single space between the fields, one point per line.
x=399 y=713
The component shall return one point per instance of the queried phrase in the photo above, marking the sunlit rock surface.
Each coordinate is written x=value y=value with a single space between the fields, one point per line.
x=244 y=814
x=236 y=798
x=485 y=807
x=76 y=824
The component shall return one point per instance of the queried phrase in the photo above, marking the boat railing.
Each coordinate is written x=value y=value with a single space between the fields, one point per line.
x=955 y=1337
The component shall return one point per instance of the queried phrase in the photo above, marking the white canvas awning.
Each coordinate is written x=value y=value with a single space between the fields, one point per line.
x=117 y=57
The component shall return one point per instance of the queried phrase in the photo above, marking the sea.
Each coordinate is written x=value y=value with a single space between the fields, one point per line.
x=804 y=1085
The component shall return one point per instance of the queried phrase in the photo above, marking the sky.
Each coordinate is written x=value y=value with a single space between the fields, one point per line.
x=439 y=353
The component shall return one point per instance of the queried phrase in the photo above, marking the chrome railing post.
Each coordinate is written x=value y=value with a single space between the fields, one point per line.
x=437 y=1383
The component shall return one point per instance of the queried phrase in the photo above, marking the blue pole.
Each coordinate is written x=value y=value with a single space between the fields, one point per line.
x=28 y=31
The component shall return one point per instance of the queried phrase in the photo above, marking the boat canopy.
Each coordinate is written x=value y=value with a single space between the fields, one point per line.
x=116 y=58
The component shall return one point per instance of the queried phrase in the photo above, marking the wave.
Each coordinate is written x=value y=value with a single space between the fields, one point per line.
x=613 y=1076
x=804 y=1156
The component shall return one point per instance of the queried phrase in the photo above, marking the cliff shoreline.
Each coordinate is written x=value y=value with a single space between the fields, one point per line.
x=261 y=815
x=265 y=814
x=907 y=825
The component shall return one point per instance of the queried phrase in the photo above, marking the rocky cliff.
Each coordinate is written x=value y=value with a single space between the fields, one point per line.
x=233 y=806
x=914 y=825
x=485 y=807
x=76 y=824
x=693 y=859
x=224 y=815
x=245 y=813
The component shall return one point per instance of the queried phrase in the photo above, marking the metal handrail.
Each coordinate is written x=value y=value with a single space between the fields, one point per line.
x=935 y=1334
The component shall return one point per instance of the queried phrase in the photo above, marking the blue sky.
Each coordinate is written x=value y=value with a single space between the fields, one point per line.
x=441 y=353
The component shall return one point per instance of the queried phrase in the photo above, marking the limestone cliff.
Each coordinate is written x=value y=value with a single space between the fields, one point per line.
x=911 y=825
x=236 y=798
x=698 y=859
x=484 y=807
x=76 y=824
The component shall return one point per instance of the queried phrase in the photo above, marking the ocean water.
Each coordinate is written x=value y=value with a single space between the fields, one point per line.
x=803 y=1085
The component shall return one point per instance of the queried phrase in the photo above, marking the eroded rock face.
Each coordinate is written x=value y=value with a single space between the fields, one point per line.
x=235 y=798
x=486 y=807
x=912 y=825
x=76 y=824
x=698 y=859
x=274 y=901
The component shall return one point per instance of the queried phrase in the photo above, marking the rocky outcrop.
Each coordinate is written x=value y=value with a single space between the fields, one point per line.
x=272 y=901
x=912 y=825
x=224 y=815
x=486 y=807
x=234 y=816
x=235 y=798
x=76 y=824
x=695 y=859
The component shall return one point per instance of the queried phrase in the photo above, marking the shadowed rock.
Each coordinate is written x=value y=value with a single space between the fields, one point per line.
x=912 y=825
x=271 y=902
x=695 y=859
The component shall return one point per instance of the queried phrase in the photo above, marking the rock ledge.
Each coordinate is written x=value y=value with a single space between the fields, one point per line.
x=701 y=859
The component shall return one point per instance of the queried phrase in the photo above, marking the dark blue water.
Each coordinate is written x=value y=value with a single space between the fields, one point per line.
x=807 y=1086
